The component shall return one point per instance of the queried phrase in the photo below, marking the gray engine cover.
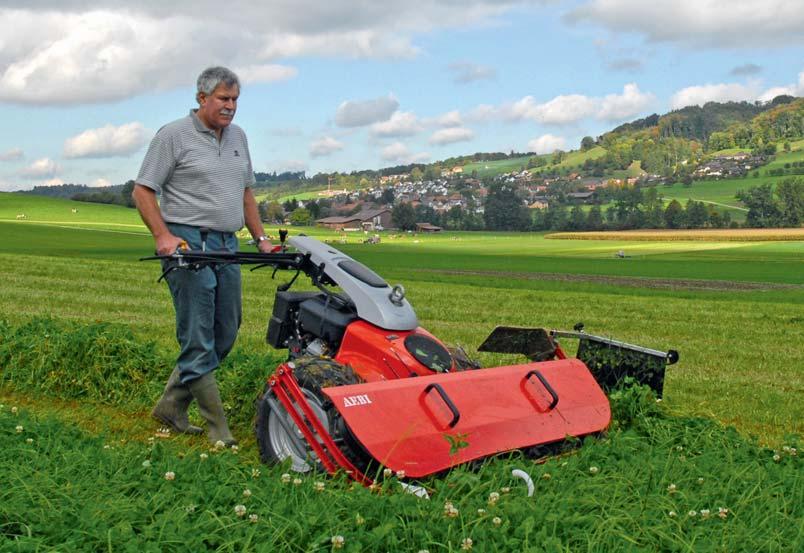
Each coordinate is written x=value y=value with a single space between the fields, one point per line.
x=372 y=301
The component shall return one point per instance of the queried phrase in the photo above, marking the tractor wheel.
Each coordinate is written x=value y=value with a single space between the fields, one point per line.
x=279 y=438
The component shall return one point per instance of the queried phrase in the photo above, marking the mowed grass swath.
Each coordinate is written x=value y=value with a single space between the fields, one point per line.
x=661 y=480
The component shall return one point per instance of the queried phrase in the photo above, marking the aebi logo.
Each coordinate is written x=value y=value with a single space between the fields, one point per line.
x=352 y=401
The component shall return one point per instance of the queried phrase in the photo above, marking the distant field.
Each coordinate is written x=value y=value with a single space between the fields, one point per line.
x=728 y=235
x=490 y=168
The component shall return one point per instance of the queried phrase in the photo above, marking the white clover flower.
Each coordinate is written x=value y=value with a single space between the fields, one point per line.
x=190 y=508
x=506 y=489
x=593 y=470
x=700 y=481
x=466 y=544
x=776 y=456
x=235 y=449
x=170 y=475
x=337 y=542
x=679 y=448
x=146 y=463
x=285 y=478
x=219 y=445
x=387 y=473
x=400 y=474
x=793 y=451
x=546 y=476
x=360 y=521
x=704 y=513
x=203 y=456
x=496 y=521
x=107 y=446
x=672 y=514
x=692 y=513
x=424 y=551
x=494 y=497
x=297 y=481
x=319 y=486
x=451 y=511
x=481 y=512
x=671 y=488
x=786 y=448
x=19 y=429
x=722 y=512
x=14 y=410
x=247 y=493
x=253 y=518
x=255 y=473
x=29 y=441
x=240 y=510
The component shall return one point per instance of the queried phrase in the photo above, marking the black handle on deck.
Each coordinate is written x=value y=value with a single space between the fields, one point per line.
x=456 y=415
x=546 y=385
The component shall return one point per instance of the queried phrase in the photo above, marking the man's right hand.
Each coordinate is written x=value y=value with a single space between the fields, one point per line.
x=167 y=244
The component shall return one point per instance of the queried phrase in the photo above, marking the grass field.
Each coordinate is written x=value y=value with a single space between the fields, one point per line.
x=733 y=309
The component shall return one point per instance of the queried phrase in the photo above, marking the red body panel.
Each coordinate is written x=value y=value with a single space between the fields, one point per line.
x=377 y=354
x=404 y=423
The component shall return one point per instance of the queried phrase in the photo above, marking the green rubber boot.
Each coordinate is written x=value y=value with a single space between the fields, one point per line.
x=205 y=392
x=171 y=409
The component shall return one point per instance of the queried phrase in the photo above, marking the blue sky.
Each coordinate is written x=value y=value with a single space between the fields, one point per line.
x=347 y=85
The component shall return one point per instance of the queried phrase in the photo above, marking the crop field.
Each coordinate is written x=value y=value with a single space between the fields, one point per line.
x=87 y=342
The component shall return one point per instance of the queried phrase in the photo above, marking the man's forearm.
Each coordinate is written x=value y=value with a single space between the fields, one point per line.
x=145 y=200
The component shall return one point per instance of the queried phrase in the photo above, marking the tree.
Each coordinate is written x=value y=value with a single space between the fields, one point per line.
x=290 y=205
x=301 y=217
x=271 y=212
x=594 y=220
x=791 y=196
x=763 y=211
x=404 y=216
x=387 y=196
x=125 y=194
x=587 y=143
x=674 y=215
x=696 y=214
x=577 y=219
x=504 y=210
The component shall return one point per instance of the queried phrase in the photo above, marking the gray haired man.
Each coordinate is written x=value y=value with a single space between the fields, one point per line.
x=200 y=167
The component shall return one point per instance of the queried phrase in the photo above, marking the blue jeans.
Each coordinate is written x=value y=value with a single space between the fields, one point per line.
x=208 y=305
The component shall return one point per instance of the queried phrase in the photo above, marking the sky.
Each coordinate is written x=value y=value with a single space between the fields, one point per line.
x=342 y=85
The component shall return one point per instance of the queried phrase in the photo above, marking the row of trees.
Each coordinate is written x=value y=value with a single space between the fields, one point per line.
x=779 y=207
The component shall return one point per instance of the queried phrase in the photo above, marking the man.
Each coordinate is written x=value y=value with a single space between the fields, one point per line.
x=201 y=168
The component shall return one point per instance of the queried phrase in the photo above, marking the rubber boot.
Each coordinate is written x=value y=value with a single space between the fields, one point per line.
x=205 y=392
x=171 y=409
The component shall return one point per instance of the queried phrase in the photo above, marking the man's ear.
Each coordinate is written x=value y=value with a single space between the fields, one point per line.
x=199 y=97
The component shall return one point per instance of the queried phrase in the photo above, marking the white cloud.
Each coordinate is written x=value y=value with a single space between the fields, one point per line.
x=562 y=110
x=365 y=112
x=265 y=73
x=547 y=144
x=791 y=90
x=616 y=107
x=324 y=146
x=73 y=51
x=568 y=109
x=401 y=123
x=466 y=72
x=41 y=168
x=699 y=95
x=13 y=154
x=714 y=23
x=451 y=135
x=100 y=183
x=399 y=153
x=108 y=141
x=449 y=119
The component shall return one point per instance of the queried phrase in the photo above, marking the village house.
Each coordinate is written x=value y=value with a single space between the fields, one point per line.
x=366 y=219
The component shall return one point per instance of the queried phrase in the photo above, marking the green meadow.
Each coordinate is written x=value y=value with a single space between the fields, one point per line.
x=88 y=341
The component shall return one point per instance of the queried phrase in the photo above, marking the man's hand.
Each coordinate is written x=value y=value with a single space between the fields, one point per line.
x=265 y=246
x=167 y=244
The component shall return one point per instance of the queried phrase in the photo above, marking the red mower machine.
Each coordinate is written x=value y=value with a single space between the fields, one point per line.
x=364 y=384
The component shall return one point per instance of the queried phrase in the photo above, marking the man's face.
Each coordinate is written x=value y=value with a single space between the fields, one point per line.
x=217 y=110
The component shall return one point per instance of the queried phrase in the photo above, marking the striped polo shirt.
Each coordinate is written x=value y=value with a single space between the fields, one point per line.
x=200 y=180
